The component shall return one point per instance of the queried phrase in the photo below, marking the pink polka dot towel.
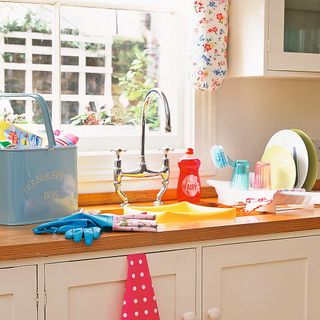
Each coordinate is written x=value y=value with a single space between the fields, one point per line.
x=139 y=301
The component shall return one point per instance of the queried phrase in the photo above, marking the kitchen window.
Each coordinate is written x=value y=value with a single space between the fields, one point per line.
x=93 y=61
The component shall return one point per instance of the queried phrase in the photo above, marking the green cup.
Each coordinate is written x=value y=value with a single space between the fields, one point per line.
x=240 y=176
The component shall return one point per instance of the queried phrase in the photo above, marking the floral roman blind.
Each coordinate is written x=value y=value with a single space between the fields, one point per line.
x=210 y=39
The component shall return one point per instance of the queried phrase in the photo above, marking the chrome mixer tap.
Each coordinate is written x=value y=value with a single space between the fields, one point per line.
x=142 y=171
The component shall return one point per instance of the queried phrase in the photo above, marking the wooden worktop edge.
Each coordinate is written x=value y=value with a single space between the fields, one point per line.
x=51 y=245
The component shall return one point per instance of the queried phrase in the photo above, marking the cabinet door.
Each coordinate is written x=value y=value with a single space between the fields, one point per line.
x=18 y=293
x=276 y=280
x=294 y=35
x=94 y=289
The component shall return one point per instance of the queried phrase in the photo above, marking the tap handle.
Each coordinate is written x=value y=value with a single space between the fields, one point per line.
x=118 y=152
x=166 y=151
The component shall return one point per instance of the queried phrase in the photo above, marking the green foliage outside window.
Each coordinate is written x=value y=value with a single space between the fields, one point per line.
x=29 y=23
x=130 y=78
x=135 y=85
x=131 y=82
x=13 y=118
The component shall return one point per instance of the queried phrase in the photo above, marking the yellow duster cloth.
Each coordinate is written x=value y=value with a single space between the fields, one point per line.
x=183 y=212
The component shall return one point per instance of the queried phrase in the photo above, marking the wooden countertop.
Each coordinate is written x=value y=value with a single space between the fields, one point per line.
x=18 y=242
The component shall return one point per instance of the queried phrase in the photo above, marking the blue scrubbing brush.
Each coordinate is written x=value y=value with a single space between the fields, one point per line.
x=219 y=158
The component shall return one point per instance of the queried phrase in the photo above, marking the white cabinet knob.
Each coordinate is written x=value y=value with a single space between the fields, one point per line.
x=214 y=314
x=189 y=316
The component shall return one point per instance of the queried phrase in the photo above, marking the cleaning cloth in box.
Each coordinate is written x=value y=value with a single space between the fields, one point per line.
x=19 y=136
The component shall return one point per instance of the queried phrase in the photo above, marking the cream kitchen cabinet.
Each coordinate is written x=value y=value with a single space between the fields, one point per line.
x=246 y=280
x=274 y=38
x=93 y=289
x=18 y=293
x=245 y=277
x=278 y=279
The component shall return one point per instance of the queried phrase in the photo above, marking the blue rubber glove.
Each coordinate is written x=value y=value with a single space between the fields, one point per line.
x=89 y=234
x=78 y=226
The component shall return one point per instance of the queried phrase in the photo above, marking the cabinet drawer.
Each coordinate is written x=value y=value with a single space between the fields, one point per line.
x=95 y=288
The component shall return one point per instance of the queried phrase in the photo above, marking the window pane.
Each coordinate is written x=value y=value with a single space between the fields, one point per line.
x=94 y=84
x=16 y=41
x=42 y=81
x=26 y=39
x=18 y=106
x=69 y=82
x=15 y=81
x=12 y=110
x=41 y=59
x=42 y=42
x=95 y=62
x=107 y=66
x=86 y=50
x=118 y=61
x=69 y=60
x=13 y=57
x=302 y=26
x=37 y=112
x=69 y=110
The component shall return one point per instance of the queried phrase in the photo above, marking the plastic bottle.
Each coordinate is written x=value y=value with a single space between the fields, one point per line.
x=189 y=188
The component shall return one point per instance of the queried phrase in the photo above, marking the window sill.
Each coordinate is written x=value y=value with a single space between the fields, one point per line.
x=95 y=171
x=98 y=166
x=110 y=200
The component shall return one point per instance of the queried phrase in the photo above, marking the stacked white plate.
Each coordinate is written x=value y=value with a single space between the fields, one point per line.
x=293 y=158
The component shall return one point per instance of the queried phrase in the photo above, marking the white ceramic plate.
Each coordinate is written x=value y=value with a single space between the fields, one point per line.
x=283 y=168
x=290 y=139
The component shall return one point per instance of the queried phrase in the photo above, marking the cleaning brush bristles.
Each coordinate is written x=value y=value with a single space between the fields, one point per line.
x=219 y=158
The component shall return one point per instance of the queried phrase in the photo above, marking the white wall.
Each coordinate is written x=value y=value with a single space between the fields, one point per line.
x=250 y=110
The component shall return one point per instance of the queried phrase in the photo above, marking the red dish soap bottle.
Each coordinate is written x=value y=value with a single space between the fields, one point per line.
x=189 y=188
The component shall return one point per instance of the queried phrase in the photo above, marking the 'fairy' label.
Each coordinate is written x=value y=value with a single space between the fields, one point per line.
x=191 y=185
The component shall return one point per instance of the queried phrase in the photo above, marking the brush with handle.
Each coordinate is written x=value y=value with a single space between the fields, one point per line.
x=220 y=158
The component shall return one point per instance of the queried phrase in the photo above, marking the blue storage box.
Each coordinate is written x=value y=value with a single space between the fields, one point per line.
x=38 y=184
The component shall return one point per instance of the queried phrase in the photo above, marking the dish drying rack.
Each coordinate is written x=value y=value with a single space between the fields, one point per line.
x=273 y=201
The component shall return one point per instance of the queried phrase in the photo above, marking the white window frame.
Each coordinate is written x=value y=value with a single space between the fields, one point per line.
x=131 y=141
x=198 y=116
x=95 y=168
